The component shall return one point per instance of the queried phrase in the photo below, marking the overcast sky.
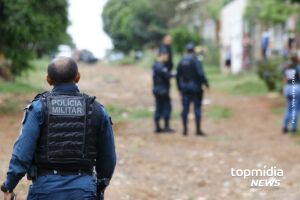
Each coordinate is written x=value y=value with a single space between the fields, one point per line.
x=86 y=26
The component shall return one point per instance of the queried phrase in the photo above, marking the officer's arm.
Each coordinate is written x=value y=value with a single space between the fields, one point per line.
x=24 y=148
x=106 y=160
x=201 y=73
x=164 y=72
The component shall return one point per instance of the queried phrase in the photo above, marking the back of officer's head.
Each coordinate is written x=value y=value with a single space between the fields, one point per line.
x=190 y=47
x=62 y=70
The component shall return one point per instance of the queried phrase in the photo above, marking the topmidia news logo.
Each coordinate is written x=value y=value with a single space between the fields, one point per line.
x=260 y=177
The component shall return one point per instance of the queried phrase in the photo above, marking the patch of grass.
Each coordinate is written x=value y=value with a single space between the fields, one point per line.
x=249 y=87
x=246 y=83
x=9 y=106
x=37 y=76
x=218 y=112
x=119 y=113
x=147 y=60
x=32 y=80
x=278 y=110
x=127 y=60
x=114 y=109
x=140 y=114
x=17 y=86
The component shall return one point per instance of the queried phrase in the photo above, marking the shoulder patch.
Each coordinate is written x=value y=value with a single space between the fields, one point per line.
x=26 y=109
x=40 y=95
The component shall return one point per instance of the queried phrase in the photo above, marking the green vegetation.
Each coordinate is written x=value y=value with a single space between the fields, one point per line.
x=247 y=83
x=146 y=61
x=10 y=105
x=16 y=87
x=269 y=72
x=183 y=36
x=132 y=24
x=217 y=112
x=278 y=110
x=242 y=84
x=119 y=113
x=270 y=12
x=28 y=28
x=29 y=82
x=140 y=24
x=212 y=56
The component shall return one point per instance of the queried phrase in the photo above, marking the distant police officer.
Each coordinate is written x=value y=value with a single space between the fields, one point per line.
x=190 y=79
x=166 y=46
x=161 y=88
x=65 y=135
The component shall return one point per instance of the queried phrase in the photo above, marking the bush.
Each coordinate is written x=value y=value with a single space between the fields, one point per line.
x=182 y=36
x=212 y=55
x=30 y=26
x=269 y=71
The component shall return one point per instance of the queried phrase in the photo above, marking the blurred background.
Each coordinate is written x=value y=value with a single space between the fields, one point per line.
x=116 y=42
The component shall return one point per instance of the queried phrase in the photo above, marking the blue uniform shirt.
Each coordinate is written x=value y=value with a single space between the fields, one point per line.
x=25 y=146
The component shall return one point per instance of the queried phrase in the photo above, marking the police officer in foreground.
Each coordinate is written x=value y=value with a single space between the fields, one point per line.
x=190 y=79
x=161 y=90
x=66 y=143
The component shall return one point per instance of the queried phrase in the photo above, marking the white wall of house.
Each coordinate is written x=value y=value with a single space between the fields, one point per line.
x=231 y=33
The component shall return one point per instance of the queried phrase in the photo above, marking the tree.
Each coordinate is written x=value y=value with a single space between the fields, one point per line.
x=182 y=36
x=165 y=10
x=26 y=26
x=194 y=13
x=132 y=24
x=270 y=12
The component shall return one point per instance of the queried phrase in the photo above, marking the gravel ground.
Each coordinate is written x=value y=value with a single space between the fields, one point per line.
x=170 y=166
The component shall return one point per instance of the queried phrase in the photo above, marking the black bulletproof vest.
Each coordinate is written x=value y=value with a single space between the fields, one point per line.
x=189 y=72
x=68 y=139
x=160 y=78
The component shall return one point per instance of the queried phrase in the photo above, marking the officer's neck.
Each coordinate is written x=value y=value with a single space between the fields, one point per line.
x=65 y=87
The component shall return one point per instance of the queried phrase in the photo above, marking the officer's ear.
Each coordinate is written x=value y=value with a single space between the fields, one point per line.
x=77 y=77
x=49 y=80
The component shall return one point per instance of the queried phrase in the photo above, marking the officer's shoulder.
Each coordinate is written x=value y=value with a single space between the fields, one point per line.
x=41 y=95
x=36 y=103
x=100 y=108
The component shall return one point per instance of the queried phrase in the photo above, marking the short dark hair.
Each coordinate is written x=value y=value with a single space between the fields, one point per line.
x=62 y=70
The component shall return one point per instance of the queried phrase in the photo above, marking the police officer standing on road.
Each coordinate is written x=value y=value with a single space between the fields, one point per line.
x=190 y=79
x=166 y=48
x=161 y=90
x=66 y=144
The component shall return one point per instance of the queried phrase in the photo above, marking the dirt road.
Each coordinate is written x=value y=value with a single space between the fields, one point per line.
x=170 y=166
